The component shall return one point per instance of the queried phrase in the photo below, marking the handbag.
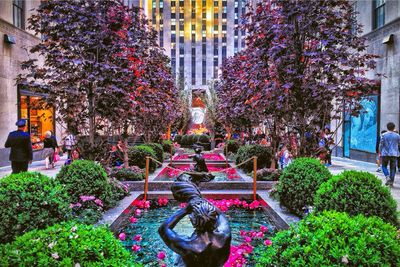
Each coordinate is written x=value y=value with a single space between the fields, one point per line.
x=56 y=157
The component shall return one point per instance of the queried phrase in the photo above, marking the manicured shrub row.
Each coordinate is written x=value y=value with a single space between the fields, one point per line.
x=66 y=244
x=30 y=201
x=267 y=174
x=299 y=182
x=357 y=192
x=232 y=146
x=158 y=150
x=333 y=239
x=133 y=173
x=166 y=144
x=190 y=140
x=263 y=154
x=137 y=156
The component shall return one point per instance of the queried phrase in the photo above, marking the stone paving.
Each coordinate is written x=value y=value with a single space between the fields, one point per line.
x=38 y=166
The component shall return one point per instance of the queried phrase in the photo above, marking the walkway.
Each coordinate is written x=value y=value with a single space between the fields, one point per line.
x=37 y=166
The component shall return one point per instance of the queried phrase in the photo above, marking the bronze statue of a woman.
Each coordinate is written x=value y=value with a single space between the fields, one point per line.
x=209 y=245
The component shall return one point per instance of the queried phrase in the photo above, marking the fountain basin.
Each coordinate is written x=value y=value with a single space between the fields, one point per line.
x=150 y=244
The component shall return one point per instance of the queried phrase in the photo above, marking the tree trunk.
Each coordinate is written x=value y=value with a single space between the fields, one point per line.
x=212 y=136
x=125 y=140
x=91 y=112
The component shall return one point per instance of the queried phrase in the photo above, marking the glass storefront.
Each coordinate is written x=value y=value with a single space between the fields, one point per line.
x=38 y=115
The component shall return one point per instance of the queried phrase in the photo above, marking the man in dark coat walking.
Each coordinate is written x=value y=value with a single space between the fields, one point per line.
x=21 y=148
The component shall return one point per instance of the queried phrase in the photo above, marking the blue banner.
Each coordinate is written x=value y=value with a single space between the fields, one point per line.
x=364 y=127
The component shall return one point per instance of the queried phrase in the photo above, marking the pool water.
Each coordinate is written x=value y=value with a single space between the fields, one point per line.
x=151 y=244
x=168 y=174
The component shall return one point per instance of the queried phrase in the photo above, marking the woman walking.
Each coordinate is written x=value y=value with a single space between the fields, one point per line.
x=50 y=147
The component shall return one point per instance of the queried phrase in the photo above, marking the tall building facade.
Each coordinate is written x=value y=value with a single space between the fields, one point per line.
x=15 y=102
x=358 y=135
x=197 y=35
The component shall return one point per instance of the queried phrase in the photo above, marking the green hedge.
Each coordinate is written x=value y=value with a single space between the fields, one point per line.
x=28 y=201
x=158 y=149
x=299 y=182
x=333 y=239
x=233 y=146
x=66 y=244
x=87 y=178
x=133 y=173
x=166 y=144
x=138 y=154
x=190 y=140
x=267 y=174
x=357 y=192
x=263 y=154
x=178 y=138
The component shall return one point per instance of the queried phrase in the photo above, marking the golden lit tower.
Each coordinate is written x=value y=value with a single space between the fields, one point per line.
x=198 y=35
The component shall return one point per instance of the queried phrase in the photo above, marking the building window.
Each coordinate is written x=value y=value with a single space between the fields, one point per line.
x=18 y=14
x=37 y=113
x=379 y=13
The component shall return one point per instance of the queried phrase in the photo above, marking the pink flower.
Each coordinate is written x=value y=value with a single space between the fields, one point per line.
x=268 y=242
x=138 y=212
x=98 y=202
x=182 y=205
x=161 y=255
x=87 y=198
x=132 y=219
x=247 y=239
x=263 y=228
x=122 y=236
x=135 y=248
x=137 y=238
x=259 y=234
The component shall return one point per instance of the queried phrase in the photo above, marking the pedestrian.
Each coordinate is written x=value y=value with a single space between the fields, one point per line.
x=389 y=148
x=21 y=148
x=75 y=155
x=49 y=148
x=69 y=143
x=284 y=156
x=378 y=154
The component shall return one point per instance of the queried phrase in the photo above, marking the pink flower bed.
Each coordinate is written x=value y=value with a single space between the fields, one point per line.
x=208 y=156
x=172 y=173
x=239 y=254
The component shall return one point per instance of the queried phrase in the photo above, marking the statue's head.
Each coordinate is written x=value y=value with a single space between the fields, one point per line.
x=204 y=215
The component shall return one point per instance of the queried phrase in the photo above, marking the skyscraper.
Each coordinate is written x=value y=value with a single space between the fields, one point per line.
x=198 y=35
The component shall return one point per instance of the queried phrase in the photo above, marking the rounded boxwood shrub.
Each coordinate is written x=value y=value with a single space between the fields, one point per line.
x=263 y=154
x=357 y=192
x=185 y=140
x=178 y=139
x=232 y=146
x=138 y=154
x=28 y=201
x=166 y=144
x=158 y=149
x=66 y=244
x=333 y=239
x=299 y=182
x=204 y=139
x=133 y=173
x=86 y=178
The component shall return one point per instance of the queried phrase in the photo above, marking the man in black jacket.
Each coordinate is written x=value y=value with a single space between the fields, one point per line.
x=21 y=148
